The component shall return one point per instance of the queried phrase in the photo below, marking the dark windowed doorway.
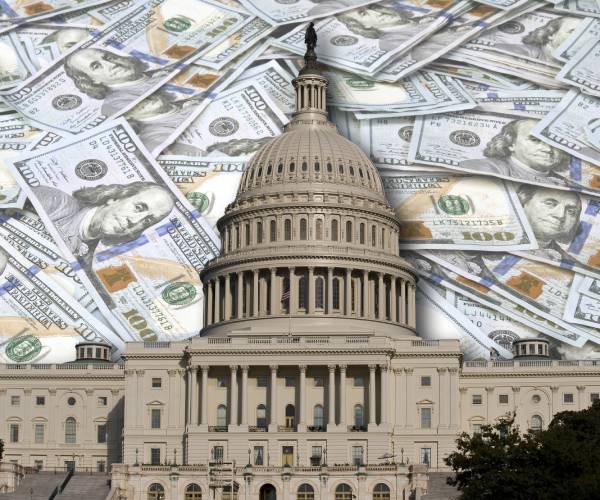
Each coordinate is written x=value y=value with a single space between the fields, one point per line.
x=267 y=492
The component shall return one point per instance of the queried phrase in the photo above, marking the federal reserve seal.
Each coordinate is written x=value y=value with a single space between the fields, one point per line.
x=405 y=133
x=91 y=170
x=66 y=102
x=23 y=349
x=223 y=126
x=360 y=83
x=505 y=338
x=177 y=24
x=179 y=293
x=453 y=204
x=465 y=138
x=511 y=28
x=343 y=40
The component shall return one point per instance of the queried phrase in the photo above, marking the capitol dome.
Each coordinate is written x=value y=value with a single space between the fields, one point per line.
x=310 y=244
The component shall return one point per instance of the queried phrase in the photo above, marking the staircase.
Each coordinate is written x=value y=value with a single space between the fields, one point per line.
x=437 y=489
x=85 y=486
x=35 y=486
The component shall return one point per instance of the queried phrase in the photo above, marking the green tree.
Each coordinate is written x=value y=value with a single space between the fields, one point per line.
x=501 y=463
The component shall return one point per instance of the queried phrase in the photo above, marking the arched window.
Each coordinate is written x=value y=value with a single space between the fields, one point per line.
x=319 y=229
x=273 y=231
x=237 y=236
x=261 y=416
x=381 y=492
x=318 y=416
x=259 y=234
x=382 y=237
x=373 y=236
x=319 y=294
x=343 y=492
x=247 y=231
x=348 y=232
x=359 y=415
x=222 y=416
x=70 y=430
x=303 y=229
x=156 y=492
x=290 y=416
x=305 y=492
x=193 y=492
x=334 y=230
x=537 y=423
x=336 y=293
x=302 y=293
x=287 y=229
x=362 y=233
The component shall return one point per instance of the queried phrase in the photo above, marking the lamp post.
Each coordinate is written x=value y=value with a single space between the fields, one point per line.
x=136 y=457
x=249 y=453
x=402 y=454
x=174 y=456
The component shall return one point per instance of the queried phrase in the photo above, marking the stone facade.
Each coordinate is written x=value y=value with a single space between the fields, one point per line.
x=309 y=379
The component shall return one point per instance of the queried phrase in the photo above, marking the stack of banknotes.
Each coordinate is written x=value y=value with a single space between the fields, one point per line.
x=125 y=127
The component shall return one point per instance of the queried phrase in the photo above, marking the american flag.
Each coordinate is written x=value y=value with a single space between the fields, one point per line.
x=285 y=295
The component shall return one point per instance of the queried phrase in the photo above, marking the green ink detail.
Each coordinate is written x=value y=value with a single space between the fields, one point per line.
x=178 y=24
x=199 y=200
x=23 y=349
x=179 y=294
x=360 y=84
x=453 y=205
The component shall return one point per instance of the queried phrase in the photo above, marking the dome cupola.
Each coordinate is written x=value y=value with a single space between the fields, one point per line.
x=310 y=243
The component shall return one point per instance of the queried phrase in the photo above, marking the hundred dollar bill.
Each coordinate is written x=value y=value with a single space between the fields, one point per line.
x=111 y=11
x=15 y=65
x=364 y=39
x=538 y=287
x=277 y=13
x=500 y=146
x=566 y=226
x=450 y=211
x=136 y=242
x=582 y=69
x=18 y=12
x=582 y=309
x=14 y=127
x=482 y=294
x=526 y=103
x=564 y=127
x=579 y=7
x=589 y=286
x=108 y=75
x=40 y=321
x=209 y=184
x=236 y=124
x=44 y=254
x=439 y=319
x=488 y=78
x=587 y=30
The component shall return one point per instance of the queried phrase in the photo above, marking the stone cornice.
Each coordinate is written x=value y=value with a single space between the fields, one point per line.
x=491 y=374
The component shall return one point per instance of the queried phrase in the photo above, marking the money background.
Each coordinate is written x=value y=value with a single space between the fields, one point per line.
x=125 y=128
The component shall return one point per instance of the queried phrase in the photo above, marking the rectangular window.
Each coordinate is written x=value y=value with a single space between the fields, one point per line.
x=155 y=418
x=155 y=456
x=359 y=381
x=316 y=456
x=290 y=381
x=156 y=383
x=425 y=418
x=503 y=399
x=567 y=397
x=259 y=455
x=287 y=455
x=222 y=382
x=357 y=455
x=594 y=396
x=102 y=433
x=426 y=456
x=426 y=381
x=40 y=400
x=15 y=400
x=477 y=399
x=14 y=433
x=101 y=466
x=476 y=428
x=39 y=433
x=262 y=381
x=319 y=381
x=217 y=453
x=102 y=401
x=38 y=464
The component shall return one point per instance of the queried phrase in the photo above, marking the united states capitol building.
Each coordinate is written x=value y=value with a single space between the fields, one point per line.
x=308 y=380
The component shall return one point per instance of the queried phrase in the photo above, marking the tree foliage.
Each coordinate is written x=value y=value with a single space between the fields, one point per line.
x=501 y=463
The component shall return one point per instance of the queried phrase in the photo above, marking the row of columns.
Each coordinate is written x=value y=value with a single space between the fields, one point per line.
x=263 y=296
x=195 y=392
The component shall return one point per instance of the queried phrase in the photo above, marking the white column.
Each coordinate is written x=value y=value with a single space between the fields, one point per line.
x=244 y=420
x=331 y=393
x=209 y=308
x=411 y=411
x=329 y=290
x=372 y=394
x=403 y=301
x=234 y=396
x=227 y=314
x=347 y=293
x=255 y=293
x=444 y=398
x=393 y=299
x=273 y=404
x=310 y=306
x=240 y=297
x=365 y=294
x=302 y=388
x=343 y=397
x=274 y=299
x=217 y=300
x=385 y=397
x=204 y=414
x=194 y=401
x=381 y=297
